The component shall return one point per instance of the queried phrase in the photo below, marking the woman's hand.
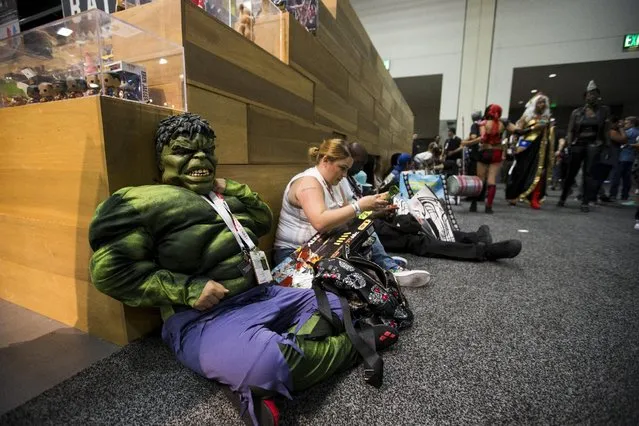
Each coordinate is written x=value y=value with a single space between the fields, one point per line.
x=373 y=202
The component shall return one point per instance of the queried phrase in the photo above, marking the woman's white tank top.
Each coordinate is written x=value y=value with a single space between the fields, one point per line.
x=294 y=228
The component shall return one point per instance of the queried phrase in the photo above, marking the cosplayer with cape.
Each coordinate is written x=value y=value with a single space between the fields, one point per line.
x=534 y=154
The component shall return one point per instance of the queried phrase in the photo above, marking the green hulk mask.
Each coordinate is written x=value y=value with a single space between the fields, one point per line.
x=185 y=149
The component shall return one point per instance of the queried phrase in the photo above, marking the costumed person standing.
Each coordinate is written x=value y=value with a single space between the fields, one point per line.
x=491 y=152
x=534 y=154
x=587 y=134
x=188 y=247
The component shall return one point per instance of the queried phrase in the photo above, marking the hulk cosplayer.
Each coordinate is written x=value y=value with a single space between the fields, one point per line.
x=164 y=246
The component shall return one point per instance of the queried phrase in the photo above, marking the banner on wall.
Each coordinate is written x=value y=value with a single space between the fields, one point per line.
x=73 y=7
x=9 y=25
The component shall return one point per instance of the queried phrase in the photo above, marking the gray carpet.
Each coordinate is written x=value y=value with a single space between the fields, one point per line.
x=551 y=337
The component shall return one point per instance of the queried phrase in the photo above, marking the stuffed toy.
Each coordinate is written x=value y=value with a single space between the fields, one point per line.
x=111 y=83
x=93 y=84
x=47 y=92
x=245 y=23
x=76 y=87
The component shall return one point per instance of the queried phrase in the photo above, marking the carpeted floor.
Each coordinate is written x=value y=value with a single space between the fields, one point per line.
x=551 y=337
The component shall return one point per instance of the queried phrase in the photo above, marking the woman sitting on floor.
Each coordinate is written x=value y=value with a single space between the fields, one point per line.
x=314 y=202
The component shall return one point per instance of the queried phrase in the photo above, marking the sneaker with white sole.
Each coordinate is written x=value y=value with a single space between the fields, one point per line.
x=637 y=225
x=411 y=278
x=401 y=262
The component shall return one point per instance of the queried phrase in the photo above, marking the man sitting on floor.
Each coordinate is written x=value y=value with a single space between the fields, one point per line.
x=404 y=234
x=187 y=246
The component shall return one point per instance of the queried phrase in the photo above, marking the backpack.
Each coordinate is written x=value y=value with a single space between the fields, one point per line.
x=369 y=296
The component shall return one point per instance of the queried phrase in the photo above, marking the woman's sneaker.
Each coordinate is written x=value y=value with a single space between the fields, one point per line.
x=411 y=278
x=637 y=225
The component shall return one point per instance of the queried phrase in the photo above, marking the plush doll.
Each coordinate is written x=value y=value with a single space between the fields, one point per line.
x=33 y=93
x=47 y=92
x=93 y=84
x=76 y=87
x=245 y=23
x=111 y=83
x=60 y=89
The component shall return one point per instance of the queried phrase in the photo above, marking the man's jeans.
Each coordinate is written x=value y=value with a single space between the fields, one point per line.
x=623 y=173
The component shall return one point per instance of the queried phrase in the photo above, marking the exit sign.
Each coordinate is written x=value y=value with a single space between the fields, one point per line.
x=630 y=42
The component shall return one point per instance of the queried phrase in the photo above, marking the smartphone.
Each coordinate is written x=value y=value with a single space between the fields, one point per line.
x=392 y=191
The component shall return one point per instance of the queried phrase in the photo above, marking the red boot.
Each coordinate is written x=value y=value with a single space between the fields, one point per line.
x=534 y=202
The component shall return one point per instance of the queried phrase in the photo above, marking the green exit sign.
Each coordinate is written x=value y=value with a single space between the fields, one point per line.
x=630 y=42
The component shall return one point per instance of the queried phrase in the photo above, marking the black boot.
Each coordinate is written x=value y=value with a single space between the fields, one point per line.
x=489 y=209
x=561 y=203
x=503 y=250
x=585 y=208
x=483 y=234
x=473 y=207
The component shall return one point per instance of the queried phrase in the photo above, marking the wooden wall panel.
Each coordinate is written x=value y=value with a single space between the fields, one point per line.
x=276 y=138
x=331 y=36
x=269 y=181
x=228 y=117
x=367 y=131
x=347 y=19
x=361 y=99
x=312 y=59
x=161 y=17
x=44 y=213
x=333 y=111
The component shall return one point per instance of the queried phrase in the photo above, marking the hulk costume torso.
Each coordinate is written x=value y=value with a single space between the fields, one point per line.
x=158 y=245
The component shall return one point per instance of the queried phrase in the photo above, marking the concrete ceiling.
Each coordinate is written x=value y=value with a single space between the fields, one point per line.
x=617 y=81
x=421 y=92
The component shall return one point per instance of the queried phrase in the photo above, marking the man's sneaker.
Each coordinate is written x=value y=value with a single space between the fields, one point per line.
x=483 y=234
x=411 y=278
x=637 y=225
x=401 y=262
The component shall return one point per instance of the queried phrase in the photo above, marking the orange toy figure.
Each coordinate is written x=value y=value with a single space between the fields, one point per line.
x=245 y=23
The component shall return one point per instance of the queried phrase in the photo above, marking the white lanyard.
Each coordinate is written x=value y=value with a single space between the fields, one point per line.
x=222 y=209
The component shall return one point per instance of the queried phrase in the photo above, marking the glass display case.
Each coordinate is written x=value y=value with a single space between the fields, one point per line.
x=91 y=53
x=258 y=20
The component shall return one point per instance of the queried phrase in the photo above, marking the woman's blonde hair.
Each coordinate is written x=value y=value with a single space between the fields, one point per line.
x=331 y=149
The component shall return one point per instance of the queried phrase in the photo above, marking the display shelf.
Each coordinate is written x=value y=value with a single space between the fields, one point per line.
x=88 y=54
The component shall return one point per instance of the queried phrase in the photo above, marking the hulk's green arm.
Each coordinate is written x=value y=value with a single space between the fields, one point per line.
x=123 y=266
x=257 y=209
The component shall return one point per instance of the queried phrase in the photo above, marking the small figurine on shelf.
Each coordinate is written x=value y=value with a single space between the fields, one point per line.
x=59 y=90
x=47 y=92
x=76 y=87
x=18 y=100
x=245 y=23
x=93 y=84
x=33 y=93
x=111 y=83
x=127 y=91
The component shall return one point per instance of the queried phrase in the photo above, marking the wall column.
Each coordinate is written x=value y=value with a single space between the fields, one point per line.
x=479 y=31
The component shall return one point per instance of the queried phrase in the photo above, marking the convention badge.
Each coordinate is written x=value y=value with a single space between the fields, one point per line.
x=260 y=266
x=245 y=266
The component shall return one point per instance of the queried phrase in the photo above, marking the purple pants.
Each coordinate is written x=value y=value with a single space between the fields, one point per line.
x=237 y=343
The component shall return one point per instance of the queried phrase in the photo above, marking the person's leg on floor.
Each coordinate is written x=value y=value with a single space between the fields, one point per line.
x=466 y=237
x=482 y=172
x=217 y=345
x=425 y=247
x=380 y=257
